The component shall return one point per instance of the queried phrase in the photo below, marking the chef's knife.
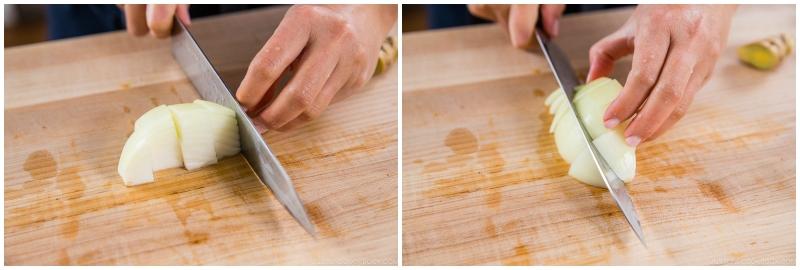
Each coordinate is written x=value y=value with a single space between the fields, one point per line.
x=258 y=155
x=567 y=79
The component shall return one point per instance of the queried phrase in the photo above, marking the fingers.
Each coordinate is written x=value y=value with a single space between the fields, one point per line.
x=482 y=11
x=183 y=14
x=135 y=21
x=324 y=98
x=605 y=52
x=648 y=59
x=551 y=14
x=521 y=23
x=666 y=95
x=159 y=19
x=302 y=90
x=695 y=83
x=493 y=12
x=278 y=53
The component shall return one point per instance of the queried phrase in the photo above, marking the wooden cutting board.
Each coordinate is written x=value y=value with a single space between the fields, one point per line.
x=70 y=105
x=484 y=184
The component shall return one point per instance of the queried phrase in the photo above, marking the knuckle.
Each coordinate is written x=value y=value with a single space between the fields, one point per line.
x=311 y=113
x=342 y=29
x=643 y=77
x=360 y=54
x=714 y=51
x=302 y=10
x=360 y=80
x=270 y=121
x=302 y=98
x=670 y=95
x=595 y=51
x=267 y=66
x=474 y=8
x=680 y=111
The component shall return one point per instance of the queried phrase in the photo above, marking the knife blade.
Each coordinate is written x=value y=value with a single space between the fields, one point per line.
x=565 y=75
x=259 y=156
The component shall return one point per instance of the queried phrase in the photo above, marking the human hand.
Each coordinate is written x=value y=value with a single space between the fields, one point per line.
x=519 y=21
x=330 y=51
x=675 y=48
x=154 y=19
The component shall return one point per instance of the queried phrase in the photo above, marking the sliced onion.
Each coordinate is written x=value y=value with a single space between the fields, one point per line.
x=591 y=101
x=191 y=135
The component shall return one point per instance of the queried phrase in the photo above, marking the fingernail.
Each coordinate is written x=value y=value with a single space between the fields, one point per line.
x=610 y=123
x=259 y=127
x=633 y=140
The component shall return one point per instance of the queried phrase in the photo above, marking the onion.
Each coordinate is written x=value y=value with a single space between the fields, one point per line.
x=192 y=135
x=591 y=101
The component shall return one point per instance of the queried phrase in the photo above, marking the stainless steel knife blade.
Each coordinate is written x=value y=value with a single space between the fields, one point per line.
x=210 y=86
x=567 y=79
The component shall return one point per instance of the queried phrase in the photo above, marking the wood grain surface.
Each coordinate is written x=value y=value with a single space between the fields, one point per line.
x=483 y=182
x=70 y=105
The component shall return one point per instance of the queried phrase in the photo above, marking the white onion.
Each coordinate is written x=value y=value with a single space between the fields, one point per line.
x=591 y=101
x=191 y=135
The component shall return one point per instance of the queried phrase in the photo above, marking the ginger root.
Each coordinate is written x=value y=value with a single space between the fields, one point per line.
x=766 y=53
x=387 y=55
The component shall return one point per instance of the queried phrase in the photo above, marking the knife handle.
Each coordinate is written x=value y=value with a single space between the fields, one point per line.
x=387 y=55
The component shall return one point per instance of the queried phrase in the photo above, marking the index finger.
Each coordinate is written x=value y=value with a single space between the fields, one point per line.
x=649 y=54
x=278 y=53
x=665 y=97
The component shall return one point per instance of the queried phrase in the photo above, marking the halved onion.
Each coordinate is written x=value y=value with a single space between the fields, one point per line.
x=591 y=101
x=191 y=135
x=620 y=157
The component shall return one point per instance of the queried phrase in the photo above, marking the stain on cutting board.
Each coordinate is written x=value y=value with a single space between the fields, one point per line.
x=520 y=256
x=71 y=186
x=717 y=192
x=463 y=144
x=321 y=221
x=74 y=204
x=41 y=166
x=489 y=176
x=461 y=141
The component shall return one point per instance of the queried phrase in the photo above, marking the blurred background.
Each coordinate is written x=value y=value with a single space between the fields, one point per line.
x=27 y=24
x=24 y=24
x=425 y=17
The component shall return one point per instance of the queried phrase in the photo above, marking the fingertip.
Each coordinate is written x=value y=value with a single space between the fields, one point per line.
x=183 y=14
x=259 y=126
x=633 y=140
x=611 y=123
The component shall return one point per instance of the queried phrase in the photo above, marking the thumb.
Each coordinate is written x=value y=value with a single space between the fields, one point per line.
x=521 y=23
x=605 y=52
